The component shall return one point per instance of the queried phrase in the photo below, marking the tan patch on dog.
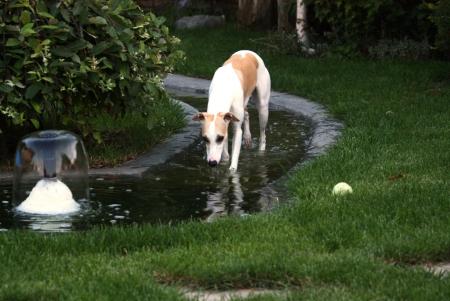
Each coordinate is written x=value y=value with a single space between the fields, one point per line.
x=206 y=118
x=221 y=125
x=245 y=67
x=220 y=122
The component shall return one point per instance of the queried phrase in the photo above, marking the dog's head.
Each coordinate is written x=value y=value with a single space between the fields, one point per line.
x=214 y=133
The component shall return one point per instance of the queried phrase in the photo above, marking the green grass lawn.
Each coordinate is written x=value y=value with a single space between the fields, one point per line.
x=394 y=151
x=132 y=135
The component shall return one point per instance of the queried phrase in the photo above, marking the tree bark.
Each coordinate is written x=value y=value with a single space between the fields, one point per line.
x=246 y=12
x=283 y=15
x=301 y=23
x=255 y=13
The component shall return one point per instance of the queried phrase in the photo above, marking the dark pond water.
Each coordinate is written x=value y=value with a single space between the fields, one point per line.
x=184 y=187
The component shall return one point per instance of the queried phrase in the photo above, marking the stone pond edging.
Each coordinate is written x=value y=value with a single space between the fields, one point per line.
x=325 y=129
x=160 y=153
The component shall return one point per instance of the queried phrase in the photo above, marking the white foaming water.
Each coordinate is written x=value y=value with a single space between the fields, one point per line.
x=49 y=196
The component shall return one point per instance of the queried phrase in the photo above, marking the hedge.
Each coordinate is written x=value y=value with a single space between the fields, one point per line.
x=63 y=62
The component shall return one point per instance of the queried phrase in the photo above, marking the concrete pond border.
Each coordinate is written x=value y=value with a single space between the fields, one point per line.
x=160 y=153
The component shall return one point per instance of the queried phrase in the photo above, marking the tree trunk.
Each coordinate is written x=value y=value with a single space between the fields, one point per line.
x=301 y=23
x=283 y=15
x=255 y=13
x=246 y=12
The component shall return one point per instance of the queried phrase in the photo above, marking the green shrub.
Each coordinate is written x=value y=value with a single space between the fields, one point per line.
x=359 y=24
x=441 y=18
x=64 y=62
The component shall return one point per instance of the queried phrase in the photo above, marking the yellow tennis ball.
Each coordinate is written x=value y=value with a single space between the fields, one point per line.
x=342 y=188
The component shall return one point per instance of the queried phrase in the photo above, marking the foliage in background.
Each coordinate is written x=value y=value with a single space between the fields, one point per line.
x=173 y=10
x=64 y=62
x=356 y=25
x=441 y=19
x=404 y=48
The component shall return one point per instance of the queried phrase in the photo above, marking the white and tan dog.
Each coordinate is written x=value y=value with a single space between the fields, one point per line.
x=231 y=88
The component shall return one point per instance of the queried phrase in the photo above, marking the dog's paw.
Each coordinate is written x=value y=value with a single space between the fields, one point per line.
x=262 y=147
x=248 y=142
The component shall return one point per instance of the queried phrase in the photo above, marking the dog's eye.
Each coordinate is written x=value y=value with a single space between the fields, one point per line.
x=205 y=139
x=219 y=138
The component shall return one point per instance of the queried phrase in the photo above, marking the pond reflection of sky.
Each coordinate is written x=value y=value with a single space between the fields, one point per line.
x=185 y=187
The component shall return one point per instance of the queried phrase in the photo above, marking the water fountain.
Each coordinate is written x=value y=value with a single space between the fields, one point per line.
x=50 y=173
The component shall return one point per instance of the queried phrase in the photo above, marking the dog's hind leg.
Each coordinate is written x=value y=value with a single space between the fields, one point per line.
x=263 y=118
x=262 y=104
x=247 y=134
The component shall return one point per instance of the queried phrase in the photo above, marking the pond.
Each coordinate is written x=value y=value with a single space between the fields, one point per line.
x=185 y=187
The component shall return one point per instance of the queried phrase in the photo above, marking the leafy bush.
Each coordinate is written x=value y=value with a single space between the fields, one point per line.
x=441 y=18
x=358 y=24
x=63 y=62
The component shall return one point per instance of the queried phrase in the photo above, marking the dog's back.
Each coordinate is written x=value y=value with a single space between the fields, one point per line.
x=245 y=65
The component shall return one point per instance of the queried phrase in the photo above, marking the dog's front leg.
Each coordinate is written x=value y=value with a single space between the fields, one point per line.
x=237 y=141
x=225 y=154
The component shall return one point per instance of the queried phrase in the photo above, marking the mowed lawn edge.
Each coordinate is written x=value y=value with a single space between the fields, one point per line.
x=393 y=151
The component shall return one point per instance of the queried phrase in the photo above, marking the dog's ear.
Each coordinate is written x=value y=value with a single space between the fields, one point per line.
x=199 y=117
x=229 y=117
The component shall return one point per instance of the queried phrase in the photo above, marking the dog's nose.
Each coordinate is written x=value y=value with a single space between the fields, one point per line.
x=212 y=163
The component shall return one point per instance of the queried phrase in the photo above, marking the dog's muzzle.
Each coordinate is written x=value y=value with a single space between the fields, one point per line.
x=212 y=163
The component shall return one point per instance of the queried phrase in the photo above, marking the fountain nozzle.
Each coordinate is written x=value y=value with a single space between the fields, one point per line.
x=54 y=164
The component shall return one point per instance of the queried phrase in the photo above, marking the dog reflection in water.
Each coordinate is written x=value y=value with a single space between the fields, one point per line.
x=228 y=198
x=229 y=192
